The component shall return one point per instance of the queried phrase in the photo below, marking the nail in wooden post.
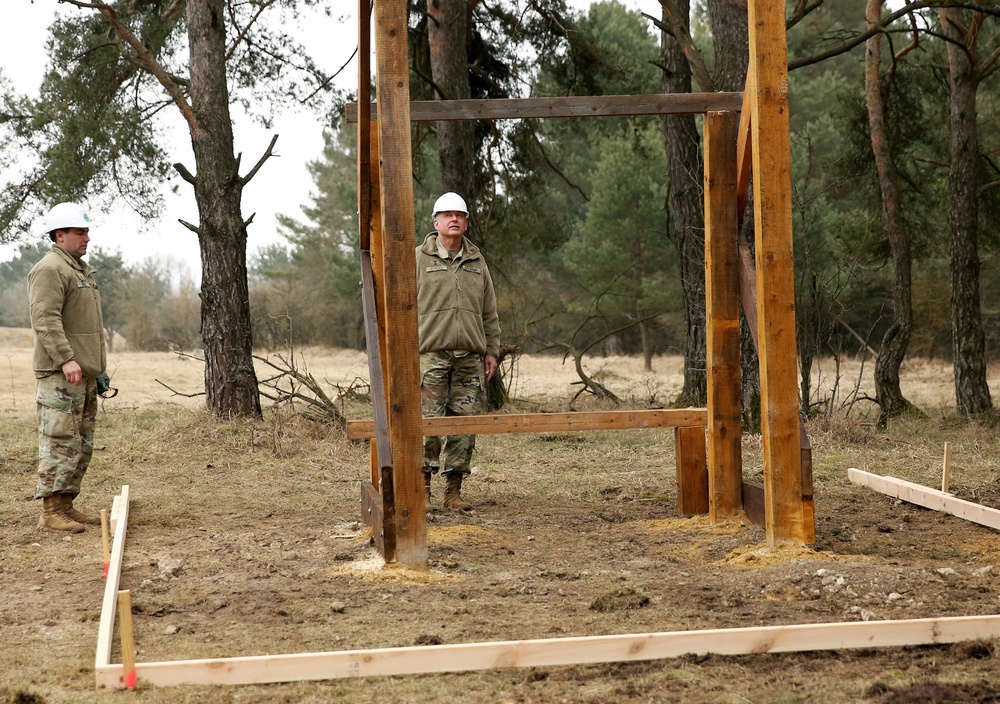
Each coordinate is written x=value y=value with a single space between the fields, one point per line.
x=107 y=541
x=946 y=469
x=128 y=641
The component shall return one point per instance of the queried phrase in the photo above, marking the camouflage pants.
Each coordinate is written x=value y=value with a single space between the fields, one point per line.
x=67 y=415
x=450 y=385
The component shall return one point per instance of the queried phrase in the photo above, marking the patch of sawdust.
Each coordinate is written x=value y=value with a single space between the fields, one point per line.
x=760 y=555
x=461 y=535
x=983 y=545
x=373 y=568
x=699 y=524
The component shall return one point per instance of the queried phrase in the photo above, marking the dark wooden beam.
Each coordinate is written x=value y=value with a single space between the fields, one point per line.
x=571 y=106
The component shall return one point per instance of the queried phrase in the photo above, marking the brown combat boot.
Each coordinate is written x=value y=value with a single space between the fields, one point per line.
x=453 y=494
x=53 y=517
x=78 y=516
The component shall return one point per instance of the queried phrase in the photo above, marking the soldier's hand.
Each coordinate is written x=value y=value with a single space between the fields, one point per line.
x=73 y=372
x=490 y=366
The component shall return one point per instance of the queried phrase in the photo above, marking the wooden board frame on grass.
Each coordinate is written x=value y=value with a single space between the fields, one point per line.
x=927 y=497
x=461 y=657
x=106 y=627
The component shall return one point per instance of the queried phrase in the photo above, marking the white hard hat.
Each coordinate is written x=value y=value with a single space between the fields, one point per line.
x=66 y=215
x=450 y=201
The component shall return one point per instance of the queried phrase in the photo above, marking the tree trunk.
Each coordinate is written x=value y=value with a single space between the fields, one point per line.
x=972 y=394
x=230 y=379
x=647 y=350
x=447 y=32
x=684 y=194
x=897 y=338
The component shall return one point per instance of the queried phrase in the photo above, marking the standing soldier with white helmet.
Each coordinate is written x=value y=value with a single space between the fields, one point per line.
x=459 y=339
x=69 y=357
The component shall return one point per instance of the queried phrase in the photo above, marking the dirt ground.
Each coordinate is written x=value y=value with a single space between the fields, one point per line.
x=245 y=539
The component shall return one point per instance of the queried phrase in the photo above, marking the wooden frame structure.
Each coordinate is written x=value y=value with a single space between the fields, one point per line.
x=757 y=141
x=465 y=657
x=927 y=497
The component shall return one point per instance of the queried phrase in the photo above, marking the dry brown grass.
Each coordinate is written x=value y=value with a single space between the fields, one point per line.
x=245 y=539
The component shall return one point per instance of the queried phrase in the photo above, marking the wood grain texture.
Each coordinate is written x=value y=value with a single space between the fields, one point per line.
x=109 y=603
x=546 y=422
x=722 y=348
x=927 y=497
x=785 y=514
x=399 y=281
x=571 y=106
x=561 y=651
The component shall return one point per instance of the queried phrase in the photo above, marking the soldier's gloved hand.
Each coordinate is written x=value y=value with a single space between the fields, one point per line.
x=104 y=386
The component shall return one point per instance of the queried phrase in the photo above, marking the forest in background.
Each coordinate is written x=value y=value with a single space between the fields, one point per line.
x=588 y=224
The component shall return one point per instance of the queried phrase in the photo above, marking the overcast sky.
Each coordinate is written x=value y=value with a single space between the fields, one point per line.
x=281 y=186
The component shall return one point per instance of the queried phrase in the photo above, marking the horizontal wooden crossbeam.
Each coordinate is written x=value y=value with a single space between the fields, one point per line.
x=546 y=422
x=572 y=106
x=557 y=651
x=927 y=497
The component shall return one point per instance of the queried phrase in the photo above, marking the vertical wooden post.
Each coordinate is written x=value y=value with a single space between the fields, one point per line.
x=946 y=468
x=772 y=183
x=692 y=471
x=127 y=638
x=725 y=462
x=364 y=123
x=399 y=284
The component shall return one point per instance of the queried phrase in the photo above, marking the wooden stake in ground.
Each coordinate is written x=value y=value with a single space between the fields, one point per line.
x=946 y=468
x=106 y=540
x=128 y=641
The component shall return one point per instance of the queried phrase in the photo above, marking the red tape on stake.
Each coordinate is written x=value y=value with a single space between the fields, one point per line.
x=107 y=566
x=130 y=679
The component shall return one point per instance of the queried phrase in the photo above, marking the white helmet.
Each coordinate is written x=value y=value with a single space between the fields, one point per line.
x=450 y=201
x=66 y=215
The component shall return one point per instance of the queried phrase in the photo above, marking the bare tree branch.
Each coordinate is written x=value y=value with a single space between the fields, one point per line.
x=185 y=174
x=677 y=27
x=885 y=22
x=268 y=153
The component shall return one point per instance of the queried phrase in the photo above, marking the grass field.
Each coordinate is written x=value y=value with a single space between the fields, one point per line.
x=245 y=539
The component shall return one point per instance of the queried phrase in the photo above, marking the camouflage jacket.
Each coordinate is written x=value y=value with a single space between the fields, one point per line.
x=456 y=303
x=66 y=315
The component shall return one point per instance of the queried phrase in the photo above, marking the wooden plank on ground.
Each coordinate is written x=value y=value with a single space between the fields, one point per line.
x=546 y=422
x=399 y=283
x=109 y=604
x=927 y=497
x=692 y=471
x=722 y=313
x=561 y=651
x=772 y=184
x=565 y=106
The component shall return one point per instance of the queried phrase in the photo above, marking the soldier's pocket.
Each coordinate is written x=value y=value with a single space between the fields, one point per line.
x=54 y=423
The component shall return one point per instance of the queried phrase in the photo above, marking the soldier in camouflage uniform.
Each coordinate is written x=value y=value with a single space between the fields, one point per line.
x=69 y=356
x=459 y=340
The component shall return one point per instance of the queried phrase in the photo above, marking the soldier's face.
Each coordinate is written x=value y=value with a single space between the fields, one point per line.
x=74 y=240
x=451 y=223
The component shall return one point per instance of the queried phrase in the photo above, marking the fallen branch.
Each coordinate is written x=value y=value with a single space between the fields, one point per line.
x=289 y=385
